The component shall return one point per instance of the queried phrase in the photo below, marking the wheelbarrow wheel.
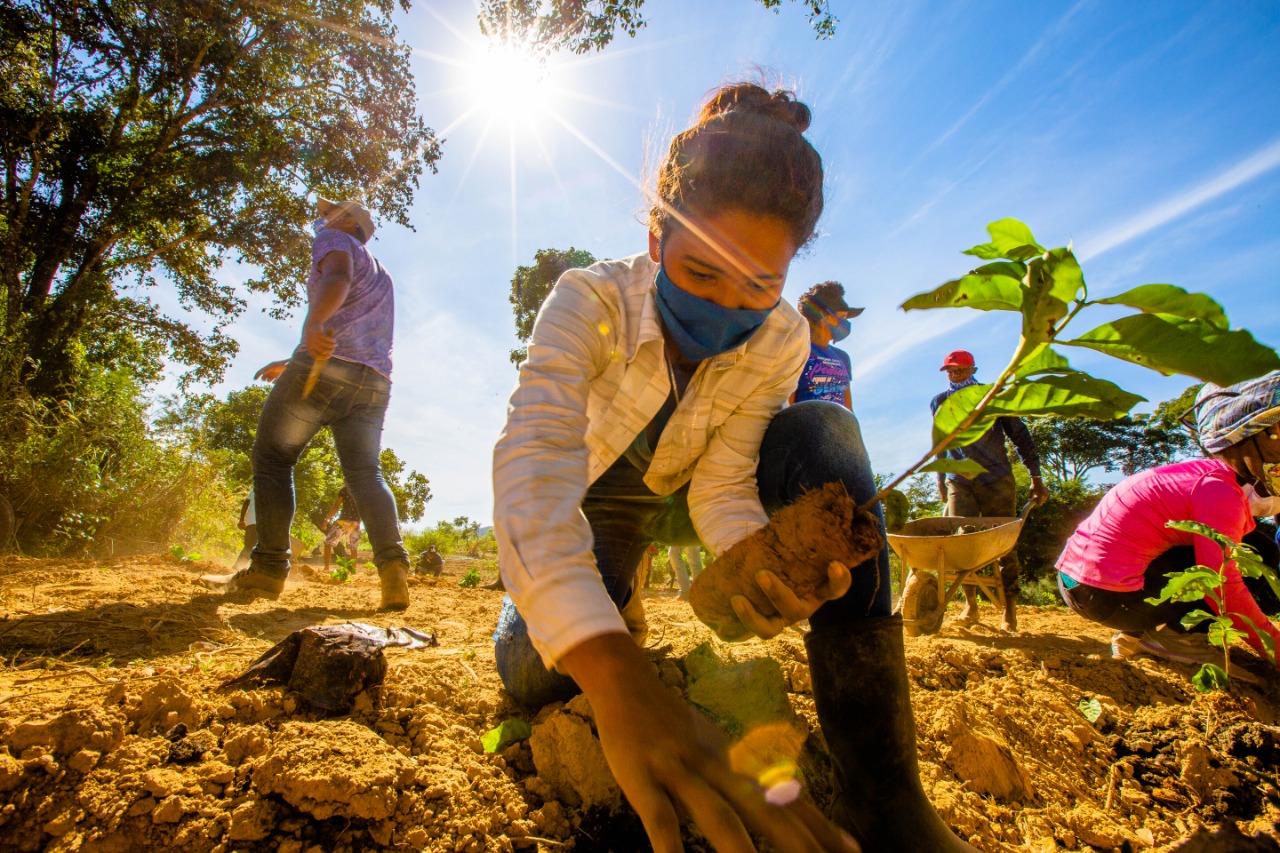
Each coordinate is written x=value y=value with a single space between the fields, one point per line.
x=922 y=605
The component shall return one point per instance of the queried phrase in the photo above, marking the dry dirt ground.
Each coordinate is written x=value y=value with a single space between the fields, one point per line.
x=114 y=734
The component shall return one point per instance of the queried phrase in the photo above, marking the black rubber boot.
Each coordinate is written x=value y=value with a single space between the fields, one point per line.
x=859 y=672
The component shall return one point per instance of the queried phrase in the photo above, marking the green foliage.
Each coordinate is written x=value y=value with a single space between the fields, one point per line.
x=88 y=471
x=148 y=142
x=583 y=27
x=182 y=555
x=471 y=579
x=531 y=285
x=1200 y=582
x=1090 y=709
x=1049 y=525
x=506 y=733
x=1071 y=448
x=346 y=568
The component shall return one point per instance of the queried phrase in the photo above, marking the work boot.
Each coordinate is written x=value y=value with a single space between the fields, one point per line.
x=245 y=580
x=394 y=577
x=969 y=616
x=859 y=673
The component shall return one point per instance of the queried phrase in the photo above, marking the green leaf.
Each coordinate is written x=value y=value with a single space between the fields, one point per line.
x=1268 y=644
x=507 y=733
x=946 y=465
x=1041 y=309
x=1009 y=239
x=1068 y=278
x=1190 y=584
x=1222 y=635
x=1012 y=269
x=1172 y=300
x=953 y=412
x=1091 y=709
x=1251 y=565
x=1224 y=543
x=1072 y=395
x=1210 y=677
x=1170 y=345
x=1195 y=617
x=983 y=292
x=1042 y=359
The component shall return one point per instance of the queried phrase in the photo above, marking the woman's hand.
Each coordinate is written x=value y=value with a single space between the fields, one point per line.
x=791 y=608
x=271 y=372
x=670 y=761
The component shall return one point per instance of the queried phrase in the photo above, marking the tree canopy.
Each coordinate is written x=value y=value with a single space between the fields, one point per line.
x=531 y=284
x=582 y=26
x=1071 y=448
x=151 y=141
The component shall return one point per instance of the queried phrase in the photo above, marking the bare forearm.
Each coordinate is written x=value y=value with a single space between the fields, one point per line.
x=327 y=297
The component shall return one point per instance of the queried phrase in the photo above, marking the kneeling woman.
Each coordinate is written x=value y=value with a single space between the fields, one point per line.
x=651 y=409
x=1119 y=555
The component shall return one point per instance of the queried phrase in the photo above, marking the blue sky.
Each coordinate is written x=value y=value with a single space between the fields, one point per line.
x=1146 y=133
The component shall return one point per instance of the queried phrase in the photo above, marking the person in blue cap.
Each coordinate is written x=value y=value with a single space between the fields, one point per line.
x=828 y=372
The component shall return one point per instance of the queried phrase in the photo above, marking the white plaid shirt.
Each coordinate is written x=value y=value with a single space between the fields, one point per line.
x=595 y=377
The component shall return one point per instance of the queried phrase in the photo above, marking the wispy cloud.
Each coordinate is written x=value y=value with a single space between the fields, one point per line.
x=1253 y=166
x=1047 y=38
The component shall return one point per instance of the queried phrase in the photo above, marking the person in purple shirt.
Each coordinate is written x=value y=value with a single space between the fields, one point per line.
x=340 y=377
x=828 y=372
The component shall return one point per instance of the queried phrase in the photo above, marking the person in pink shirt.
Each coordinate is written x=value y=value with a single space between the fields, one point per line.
x=1119 y=556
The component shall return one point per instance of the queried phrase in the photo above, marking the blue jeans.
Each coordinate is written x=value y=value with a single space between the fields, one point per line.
x=351 y=399
x=806 y=446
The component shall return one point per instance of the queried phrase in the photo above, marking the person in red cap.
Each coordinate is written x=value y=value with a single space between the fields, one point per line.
x=993 y=493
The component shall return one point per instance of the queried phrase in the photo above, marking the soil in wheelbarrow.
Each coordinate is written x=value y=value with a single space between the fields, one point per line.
x=798 y=545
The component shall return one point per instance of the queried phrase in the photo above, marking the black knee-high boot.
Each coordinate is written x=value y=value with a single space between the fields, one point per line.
x=860 y=687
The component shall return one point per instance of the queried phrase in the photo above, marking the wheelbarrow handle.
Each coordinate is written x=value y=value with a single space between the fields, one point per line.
x=1026 y=511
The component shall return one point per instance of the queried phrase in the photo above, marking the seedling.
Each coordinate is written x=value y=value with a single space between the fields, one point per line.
x=1173 y=332
x=346 y=568
x=1200 y=582
x=471 y=579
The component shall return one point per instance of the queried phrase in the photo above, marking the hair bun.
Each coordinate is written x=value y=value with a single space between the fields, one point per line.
x=780 y=105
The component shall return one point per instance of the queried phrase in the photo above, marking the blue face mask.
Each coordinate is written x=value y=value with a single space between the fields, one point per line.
x=700 y=327
x=841 y=329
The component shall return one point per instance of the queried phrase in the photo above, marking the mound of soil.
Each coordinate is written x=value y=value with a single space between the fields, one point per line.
x=114 y=734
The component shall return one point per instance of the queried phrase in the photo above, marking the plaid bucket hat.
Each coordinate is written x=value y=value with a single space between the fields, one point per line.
x=1227 y=416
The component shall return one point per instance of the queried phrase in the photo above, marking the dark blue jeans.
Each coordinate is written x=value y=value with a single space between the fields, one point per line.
x=351 y=399
x=806 y=446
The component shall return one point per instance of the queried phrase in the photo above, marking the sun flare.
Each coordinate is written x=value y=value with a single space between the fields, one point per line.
x=509 y=83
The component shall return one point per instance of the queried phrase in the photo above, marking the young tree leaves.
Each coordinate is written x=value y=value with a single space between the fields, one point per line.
x=981 y=291
x=1170 y=344
x=1172 y=300
x=1009 y=239
x=946 y=465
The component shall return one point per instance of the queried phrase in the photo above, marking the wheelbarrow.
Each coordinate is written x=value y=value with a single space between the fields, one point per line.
x=939 y=557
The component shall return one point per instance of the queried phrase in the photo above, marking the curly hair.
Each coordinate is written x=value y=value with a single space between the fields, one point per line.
x=747 y=151
x=824 y=295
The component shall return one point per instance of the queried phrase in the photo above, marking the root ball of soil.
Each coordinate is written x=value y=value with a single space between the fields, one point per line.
x=798 y=545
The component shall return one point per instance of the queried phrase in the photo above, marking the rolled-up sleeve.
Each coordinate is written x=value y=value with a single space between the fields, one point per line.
x=540 y=472
x=724 y=501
